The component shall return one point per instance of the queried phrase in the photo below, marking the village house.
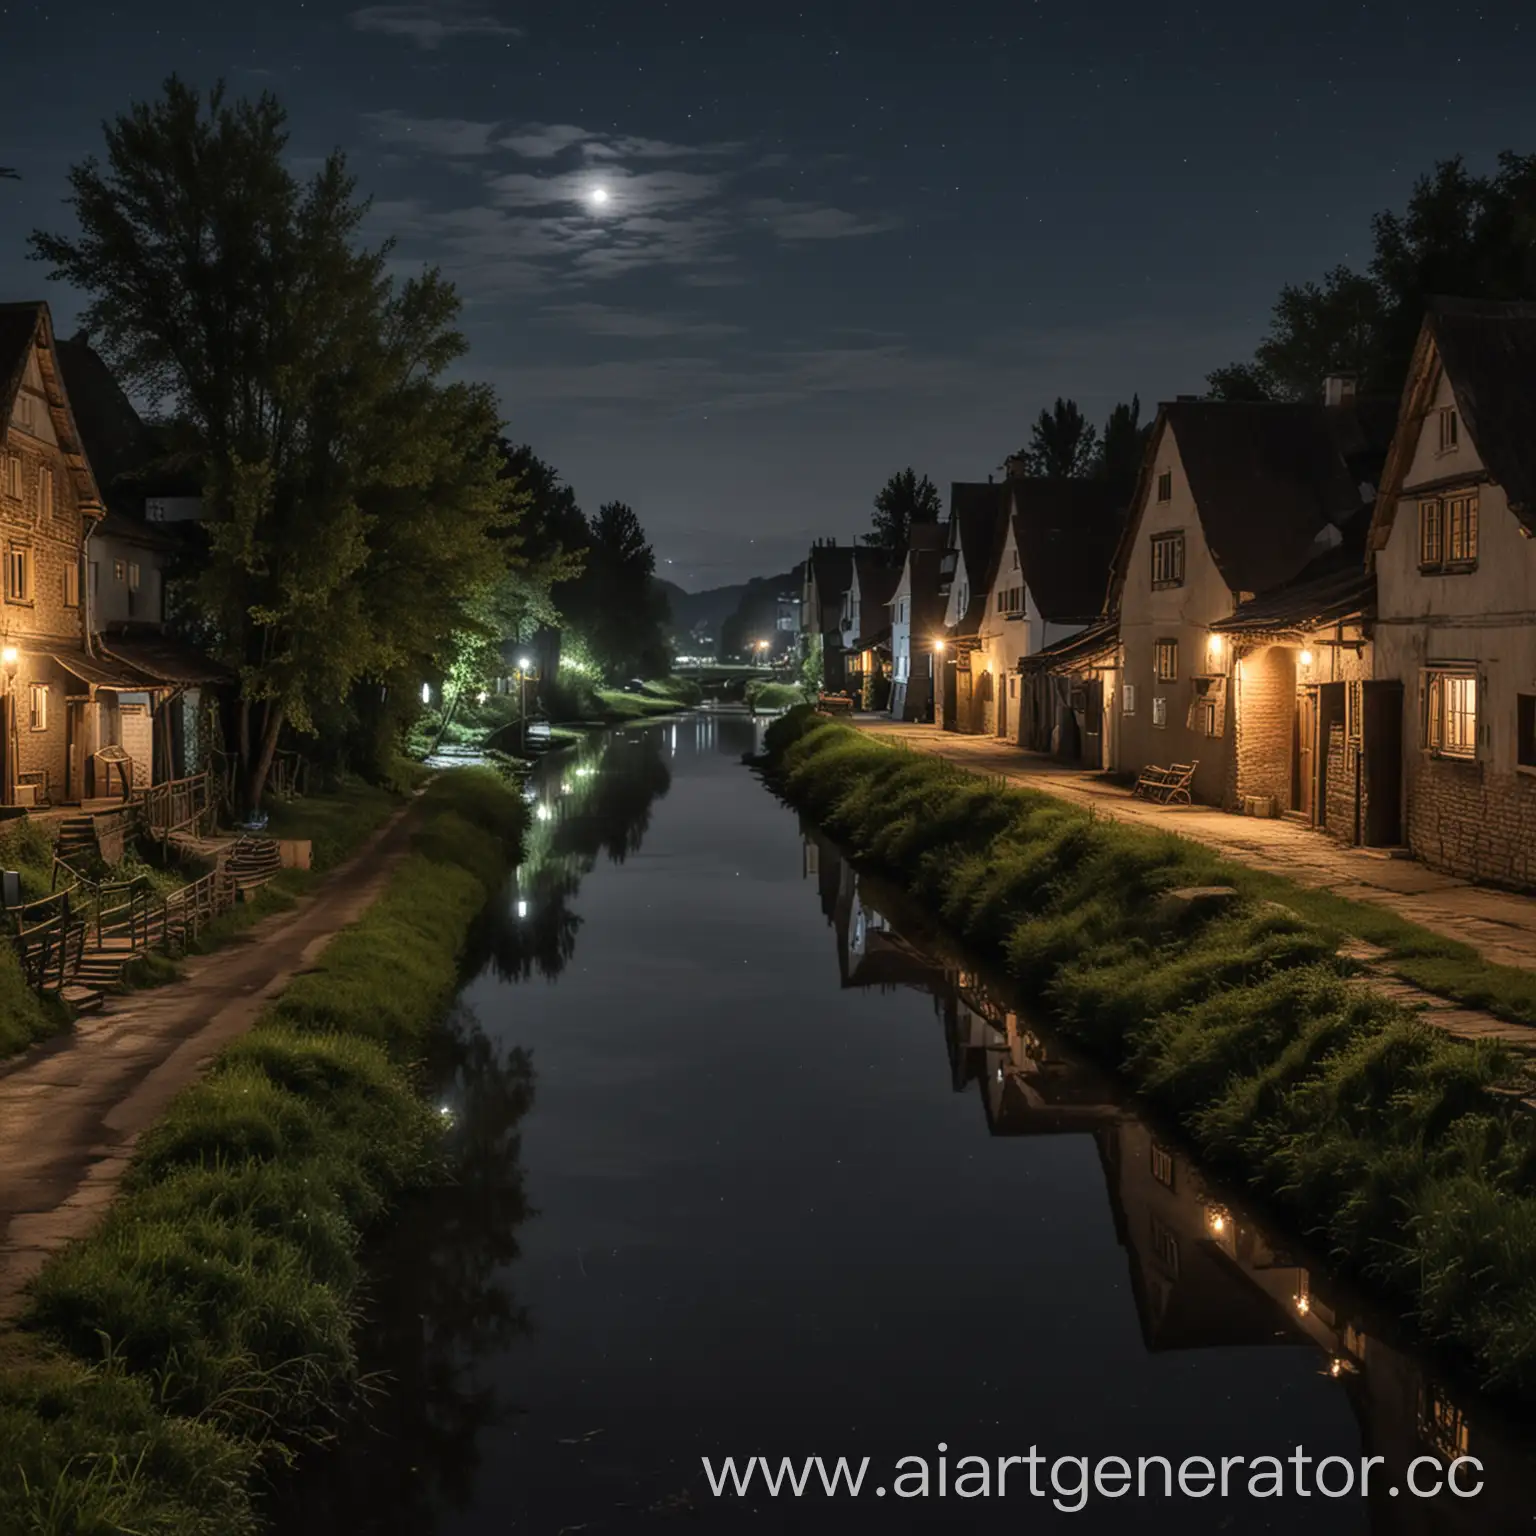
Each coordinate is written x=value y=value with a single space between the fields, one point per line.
x=153 y=696
x=917 y=615
x=967 y=688
x=1234 y=501
x=866 y=619
x=1058 y=539
x=828 y=575
x=1067 y=690
x=1452 y=547
x=49 y=504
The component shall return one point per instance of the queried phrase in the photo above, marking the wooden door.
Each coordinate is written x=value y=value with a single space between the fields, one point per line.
x=1382 y=750
x=76 y=746
x=1304 y=759
x=1093 y=724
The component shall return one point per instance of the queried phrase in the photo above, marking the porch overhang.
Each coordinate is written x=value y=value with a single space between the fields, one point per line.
x=104 y=672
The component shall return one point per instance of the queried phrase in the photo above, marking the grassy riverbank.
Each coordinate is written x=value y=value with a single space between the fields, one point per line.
x=1382 y=1137
x=207 y=1324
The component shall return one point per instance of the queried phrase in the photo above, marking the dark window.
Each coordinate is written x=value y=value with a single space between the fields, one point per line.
x=1165 y=485
x=1525 y=725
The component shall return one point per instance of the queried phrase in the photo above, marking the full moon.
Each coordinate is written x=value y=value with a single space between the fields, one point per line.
x=598 y=196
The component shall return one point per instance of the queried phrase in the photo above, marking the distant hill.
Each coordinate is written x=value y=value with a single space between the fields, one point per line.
x=690 y=609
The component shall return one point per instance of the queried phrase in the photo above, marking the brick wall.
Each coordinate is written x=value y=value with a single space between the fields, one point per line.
x=1339 y=785
x=1471 y=821
x=1264 y=726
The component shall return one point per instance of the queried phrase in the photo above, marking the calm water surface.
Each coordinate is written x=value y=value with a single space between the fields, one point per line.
x=749 y=1164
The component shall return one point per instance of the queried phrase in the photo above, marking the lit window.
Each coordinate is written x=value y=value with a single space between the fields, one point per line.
x=1448 y=533
x=133 y=575
x=1450 y=429
x=1168 y=560
x=18 y=574
x=119 y=570
x=1450 y=713
x=71 y=585
x=1165 y=485
x=37 y=713
x=1162 y=1165
x=1166 y=661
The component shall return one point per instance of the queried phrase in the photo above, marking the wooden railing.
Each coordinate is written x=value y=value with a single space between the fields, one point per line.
x=178 y=805
x=49 y=938
x=111 y=909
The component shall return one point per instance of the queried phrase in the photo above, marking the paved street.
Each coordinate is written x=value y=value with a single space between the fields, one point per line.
x=71 y=1111
x=1499 y=924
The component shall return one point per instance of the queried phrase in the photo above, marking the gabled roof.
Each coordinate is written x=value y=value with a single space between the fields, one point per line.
x=877 y=575
x=1266 y=476
x=1487 y=349
x=978 y=524
x=25 y=328
x=1066 y=532
x=928 y=599
x=831 y=569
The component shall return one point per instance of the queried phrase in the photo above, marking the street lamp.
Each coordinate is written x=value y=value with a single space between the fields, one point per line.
x=762 y=646
x=938 y=646
x=523 y=664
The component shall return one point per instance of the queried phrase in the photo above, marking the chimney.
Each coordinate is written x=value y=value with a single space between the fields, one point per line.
x=1015 y=467
x=1338 y=388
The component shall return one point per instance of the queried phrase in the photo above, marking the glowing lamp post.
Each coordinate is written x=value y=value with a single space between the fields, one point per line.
x=762 y=652
x=523 y=664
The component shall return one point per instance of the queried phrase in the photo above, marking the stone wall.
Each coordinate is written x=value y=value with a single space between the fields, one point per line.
x=1468 y=820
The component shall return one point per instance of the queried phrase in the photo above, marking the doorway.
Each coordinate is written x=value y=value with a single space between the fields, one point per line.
x=1304 y=796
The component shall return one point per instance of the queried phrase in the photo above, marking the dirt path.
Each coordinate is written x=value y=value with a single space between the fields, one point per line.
x=71 y=1111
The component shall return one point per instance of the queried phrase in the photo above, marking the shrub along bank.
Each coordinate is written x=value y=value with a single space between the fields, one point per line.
x=1378 y=1133
x=207 y=1324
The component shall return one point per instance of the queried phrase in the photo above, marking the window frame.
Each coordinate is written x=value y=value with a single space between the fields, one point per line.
x=1438 y=711
x=11 y=476
x=71 y=580
x=1164 y=485
x=37 y=706
x=1160 y=711
x=1450 y=440
x=1167 y=556
x=1128 y=698
x=1165 y=661
x=47 y=501
x=1449 y=533
x=22 y=553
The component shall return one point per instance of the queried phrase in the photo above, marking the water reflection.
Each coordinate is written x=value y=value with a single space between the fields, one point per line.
x=1204 y=1273
x=441 y=1299
x=594 y=802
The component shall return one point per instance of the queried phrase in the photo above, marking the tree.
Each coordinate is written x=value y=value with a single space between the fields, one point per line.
x=617 y=605
x=352 y=496
x=1123 y=444
x=1460 y=235
x=904 y=499
x=1062 y=444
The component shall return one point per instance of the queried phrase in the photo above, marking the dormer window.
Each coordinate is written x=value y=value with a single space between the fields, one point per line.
x=1450 y=429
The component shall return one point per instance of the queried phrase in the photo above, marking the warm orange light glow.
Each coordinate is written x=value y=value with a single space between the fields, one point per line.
x=1306 y=658
x=1303 y=1304
x=1215 y=645
x=10 y=655
x=938 y=645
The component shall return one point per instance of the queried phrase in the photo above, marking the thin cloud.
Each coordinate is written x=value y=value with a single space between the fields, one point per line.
x=791 y=221
x=430 y=24
x=453 y=137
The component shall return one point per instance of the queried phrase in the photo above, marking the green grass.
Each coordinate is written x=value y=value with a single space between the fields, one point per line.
x=764 y=693
x=208 y=1322
x=1385 y=1139
x=336 y=823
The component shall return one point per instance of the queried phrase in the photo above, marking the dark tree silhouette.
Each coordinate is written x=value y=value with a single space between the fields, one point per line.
x=904 y=499
x=1062 y=444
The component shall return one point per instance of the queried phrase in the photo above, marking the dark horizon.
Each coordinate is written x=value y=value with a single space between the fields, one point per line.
x=830 y=246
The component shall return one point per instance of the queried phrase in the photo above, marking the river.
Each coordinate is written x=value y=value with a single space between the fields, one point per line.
x=748 y=1163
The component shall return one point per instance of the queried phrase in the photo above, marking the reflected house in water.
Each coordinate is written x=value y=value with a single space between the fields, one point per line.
x=1203 y=1273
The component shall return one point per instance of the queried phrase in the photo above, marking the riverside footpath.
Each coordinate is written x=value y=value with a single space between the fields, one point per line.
x=72 y=1109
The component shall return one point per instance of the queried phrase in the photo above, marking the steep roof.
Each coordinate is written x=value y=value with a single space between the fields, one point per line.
x=877 y=576
x=978 y=523
x=1333 y=588
x=1487 y=348
x=830 y=567
x=25 y=328
x=928 y=597
x=1095 y=646
x=1066 y=532
x=1266 y=476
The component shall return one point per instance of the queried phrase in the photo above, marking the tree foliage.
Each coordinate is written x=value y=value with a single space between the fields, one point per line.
x=1062 y=443
x=906 y=498
x=1122 y=445
x=616 y=605
x=1460 y=235
x=357 y=518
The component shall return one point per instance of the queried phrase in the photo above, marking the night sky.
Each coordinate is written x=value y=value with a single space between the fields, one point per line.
x=837 y=239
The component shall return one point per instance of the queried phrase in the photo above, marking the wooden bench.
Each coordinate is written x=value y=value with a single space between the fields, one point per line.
x=834 y=704
x=1167 y=786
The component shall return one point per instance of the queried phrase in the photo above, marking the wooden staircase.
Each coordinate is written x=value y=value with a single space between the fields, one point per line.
x=77 y=839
